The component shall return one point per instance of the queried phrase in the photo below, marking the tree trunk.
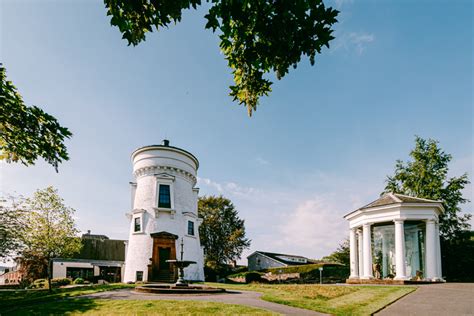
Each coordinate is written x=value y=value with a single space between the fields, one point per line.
x=49 y=275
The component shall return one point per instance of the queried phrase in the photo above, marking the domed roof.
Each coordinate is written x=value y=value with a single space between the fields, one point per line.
x=166 y=146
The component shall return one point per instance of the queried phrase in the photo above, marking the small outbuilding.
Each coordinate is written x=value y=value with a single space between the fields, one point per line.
x=100 y=258
x=395 y=238
x=260 y=260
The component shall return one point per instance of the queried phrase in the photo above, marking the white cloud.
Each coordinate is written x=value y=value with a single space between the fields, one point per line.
x=227 y=188
x=340 y=3
x=357 y=41
x=296 y=220
x=314 y=228
x=209 y=183
x=262 y=161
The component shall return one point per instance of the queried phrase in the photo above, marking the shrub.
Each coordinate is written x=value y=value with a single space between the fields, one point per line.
x=240 y=269
x=309 y=273
x=79 y=281
x=24 y=283
x=253 y=277
x=39 y=284
x=60 y=281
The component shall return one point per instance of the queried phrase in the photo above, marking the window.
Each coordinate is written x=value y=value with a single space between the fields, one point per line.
x=164 y=199
x=139 y=276
x=191 y=228
x=137 y=224
x=84 y=273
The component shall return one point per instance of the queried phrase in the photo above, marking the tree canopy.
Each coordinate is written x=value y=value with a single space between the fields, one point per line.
x=27 y=132
x=341 y=254
x=426 y=176
x=257 y=37
x=222 y=232
x=12 y=225
x=51 y=230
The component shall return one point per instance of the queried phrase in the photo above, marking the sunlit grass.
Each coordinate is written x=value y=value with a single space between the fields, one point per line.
x=82 y=306
x=19 y=297
x=332 y=299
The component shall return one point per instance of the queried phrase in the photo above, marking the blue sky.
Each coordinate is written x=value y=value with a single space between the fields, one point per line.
x=318 y=147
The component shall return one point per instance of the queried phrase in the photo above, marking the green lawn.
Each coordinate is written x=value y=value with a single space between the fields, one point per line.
x=62 y=301
x=82 y=306
x=21 y=297
x=332 y=299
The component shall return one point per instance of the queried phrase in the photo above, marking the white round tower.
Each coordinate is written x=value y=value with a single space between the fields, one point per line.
x=164 y=213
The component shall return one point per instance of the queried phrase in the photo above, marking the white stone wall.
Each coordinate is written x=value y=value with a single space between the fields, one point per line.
x=150 y=166
x=59 y=268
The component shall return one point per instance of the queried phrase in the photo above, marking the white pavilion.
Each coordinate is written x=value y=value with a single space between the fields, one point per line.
x=395 y=238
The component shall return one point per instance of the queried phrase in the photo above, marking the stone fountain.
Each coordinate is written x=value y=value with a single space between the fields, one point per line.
x=180 y=265
x=181 y=286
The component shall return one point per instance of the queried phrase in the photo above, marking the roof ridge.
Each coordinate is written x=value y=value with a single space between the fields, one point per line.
x=394 y=196
x=417 y=198
x=280 y=254
x=370 y=203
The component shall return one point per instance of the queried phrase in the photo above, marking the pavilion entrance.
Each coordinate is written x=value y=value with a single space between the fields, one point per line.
x=383 y=250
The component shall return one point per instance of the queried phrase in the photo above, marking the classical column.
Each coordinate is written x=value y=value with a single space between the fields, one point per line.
x=400 y=250
x=431 y=258
x=438 y=253
x=353 y=254
x=360 y=249
x=367 y=252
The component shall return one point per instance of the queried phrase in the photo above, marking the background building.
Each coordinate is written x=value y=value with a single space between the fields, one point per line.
x=100 y=258
x=260 y=260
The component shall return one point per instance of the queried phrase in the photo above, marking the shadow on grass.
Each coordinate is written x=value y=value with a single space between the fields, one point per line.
x=55 y=307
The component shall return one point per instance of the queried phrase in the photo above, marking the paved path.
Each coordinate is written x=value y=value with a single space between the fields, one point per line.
x=435 y=299
x=231 y=297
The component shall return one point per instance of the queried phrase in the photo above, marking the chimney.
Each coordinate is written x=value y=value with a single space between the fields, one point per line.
x=88 y=232
x=166 y=142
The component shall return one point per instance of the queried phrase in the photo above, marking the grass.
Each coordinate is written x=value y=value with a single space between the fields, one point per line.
x=24 y=297
x=332 y=299
x=62 y=301
x=81 y=306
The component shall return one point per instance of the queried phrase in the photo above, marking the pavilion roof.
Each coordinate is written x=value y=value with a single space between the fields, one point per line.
x=394 y=198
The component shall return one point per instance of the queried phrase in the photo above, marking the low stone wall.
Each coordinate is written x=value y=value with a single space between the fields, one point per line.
x=238 y=279
x=271 y=277
x=389 y=281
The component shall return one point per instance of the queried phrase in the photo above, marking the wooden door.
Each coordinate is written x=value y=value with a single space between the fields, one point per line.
x=164 y=248
x=164 y=254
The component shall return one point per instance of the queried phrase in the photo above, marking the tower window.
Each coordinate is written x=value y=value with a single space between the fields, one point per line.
x=164 y=199
x=137 y=227
x=191 y=228
x=139 y=276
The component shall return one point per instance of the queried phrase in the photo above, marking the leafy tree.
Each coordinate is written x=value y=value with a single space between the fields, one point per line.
x=222 y=232
x=256 y=36
x=33 y=265
x=51 y=231
x=12 y=225
x=27 y=132
x=458 y=258
x=426 y=176
x=341 y=255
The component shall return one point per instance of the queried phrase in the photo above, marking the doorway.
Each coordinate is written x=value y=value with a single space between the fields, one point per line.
x=164 y=254
x=164 y=248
